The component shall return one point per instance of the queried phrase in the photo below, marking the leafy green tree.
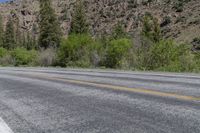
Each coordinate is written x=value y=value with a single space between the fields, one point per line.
x=76 y=50
x=9 y=42
x=79 y=23
x=163 y=54
x=167 y=55
x=50 y=33
x=117 y=49
x=1 y=31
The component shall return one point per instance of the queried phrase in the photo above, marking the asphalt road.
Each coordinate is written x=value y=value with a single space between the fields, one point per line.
x=41 y=100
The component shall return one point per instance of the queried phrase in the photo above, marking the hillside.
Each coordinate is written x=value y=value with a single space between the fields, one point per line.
x=178 y=21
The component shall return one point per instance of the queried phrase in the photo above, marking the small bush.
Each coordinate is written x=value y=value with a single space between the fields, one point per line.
x=3 y=52
x=23 y=57
x=178 y=6
x=197 y=60
x=162 y=54
x=166 y=21
x=6 y=60
x=46 y=57
x=117 y=50
x=196 y=43
x=5 y=57
x=186 y=58
x=169 y=56
x=76 y=50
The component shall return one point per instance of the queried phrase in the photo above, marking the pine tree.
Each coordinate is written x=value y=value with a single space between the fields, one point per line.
x=151 y=28
x=23 y=40
x=9 y=37
x=34 y=38
x=147 y=26
x=29 y=42
x=18 y=37
x=79 y=23
x=156 y=31
x=50 y=33
x=1 y=31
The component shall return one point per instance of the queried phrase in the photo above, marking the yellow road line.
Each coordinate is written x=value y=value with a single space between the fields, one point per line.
x=136 y=90
x=121 y=88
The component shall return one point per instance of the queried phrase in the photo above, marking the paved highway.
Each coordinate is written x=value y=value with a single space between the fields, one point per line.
x=53 y=100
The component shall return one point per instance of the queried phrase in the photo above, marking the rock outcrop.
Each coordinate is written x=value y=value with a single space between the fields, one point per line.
x=178 y=21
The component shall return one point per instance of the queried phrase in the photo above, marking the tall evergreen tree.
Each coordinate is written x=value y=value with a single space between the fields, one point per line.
x=151 y=28
x=79 y=23
x=1 y=31
x=50 y=33
x=156 y=31
x=29 y=42
x=18 y=36
x=23 y=40
x=9 y=37
x=34 y=38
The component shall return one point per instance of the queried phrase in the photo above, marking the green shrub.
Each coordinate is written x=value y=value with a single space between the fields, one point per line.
x=117 y=50
x=162 y=54
x=6 y=60
x=186 y=58
x=169 y=56
x=166 y=20
x=76 y=50
x=3 y=52
x=5 y=57
x=23 y=57
x=178 y=6
x=46 y=57
x=197 y=60
x=196 y=43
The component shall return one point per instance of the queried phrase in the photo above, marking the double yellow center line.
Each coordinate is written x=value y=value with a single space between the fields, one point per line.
x=121 y=88
x=115 y=87
x=135 y=90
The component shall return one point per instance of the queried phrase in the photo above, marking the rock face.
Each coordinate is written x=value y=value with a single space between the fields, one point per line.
x=179 y=20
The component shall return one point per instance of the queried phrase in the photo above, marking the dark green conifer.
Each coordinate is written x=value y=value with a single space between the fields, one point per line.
x=18 y=37
x=151 y=28
x=1 y=31
x=79 y=22
x=9 y=38
x=50 y=33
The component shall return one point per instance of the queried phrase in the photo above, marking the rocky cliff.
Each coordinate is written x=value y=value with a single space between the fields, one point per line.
x=179 y=19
